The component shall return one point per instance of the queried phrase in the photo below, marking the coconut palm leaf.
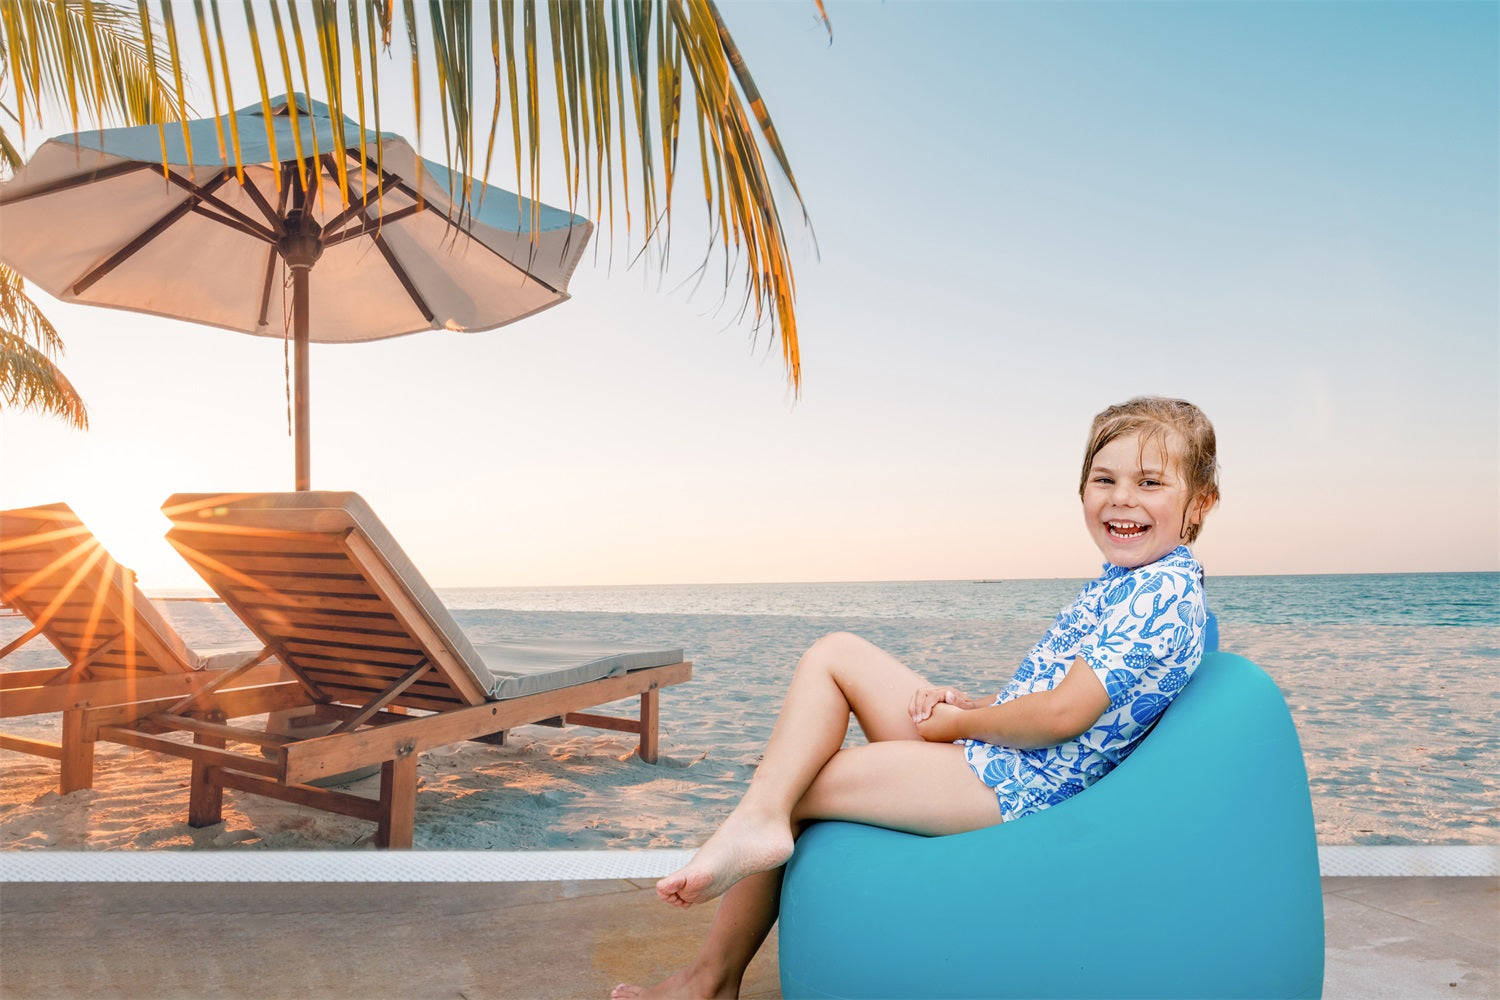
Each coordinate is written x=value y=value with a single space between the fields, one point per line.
x=89 y=57
x=620 y=74
x=100 y=62
x=29 y=380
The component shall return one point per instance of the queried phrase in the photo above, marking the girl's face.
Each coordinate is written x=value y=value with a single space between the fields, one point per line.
x=1134 y=501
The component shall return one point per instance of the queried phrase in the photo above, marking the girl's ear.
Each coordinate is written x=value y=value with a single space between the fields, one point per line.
x=1200 y=506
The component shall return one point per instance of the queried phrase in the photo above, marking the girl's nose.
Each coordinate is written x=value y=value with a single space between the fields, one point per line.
x=1121 y=494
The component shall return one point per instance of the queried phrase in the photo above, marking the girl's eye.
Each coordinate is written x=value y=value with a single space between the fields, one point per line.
x=1150 y=482
x=1103 y=480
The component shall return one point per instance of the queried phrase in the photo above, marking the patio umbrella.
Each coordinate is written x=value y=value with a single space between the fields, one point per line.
x=95 y=217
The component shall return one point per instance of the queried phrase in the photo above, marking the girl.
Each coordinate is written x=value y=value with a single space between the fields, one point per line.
x=939 y=762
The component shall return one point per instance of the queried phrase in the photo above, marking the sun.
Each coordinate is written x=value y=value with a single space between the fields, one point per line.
x=132 y=533
x=117 y=493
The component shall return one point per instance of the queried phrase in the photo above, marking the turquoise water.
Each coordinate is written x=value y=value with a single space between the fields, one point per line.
x=1459 y=600
x=1393 y=680
x=1465 y=600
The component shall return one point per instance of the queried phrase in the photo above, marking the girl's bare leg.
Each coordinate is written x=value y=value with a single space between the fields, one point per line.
x=740 y=925
x=839 y=674
x=907 y=785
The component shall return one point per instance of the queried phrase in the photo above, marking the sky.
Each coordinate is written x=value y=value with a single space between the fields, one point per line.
x=1022 y=213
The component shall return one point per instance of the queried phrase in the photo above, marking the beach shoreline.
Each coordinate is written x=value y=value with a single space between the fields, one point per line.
x=1413 y=778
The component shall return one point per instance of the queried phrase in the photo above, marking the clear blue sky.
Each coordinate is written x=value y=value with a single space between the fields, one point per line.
x=1286 y=212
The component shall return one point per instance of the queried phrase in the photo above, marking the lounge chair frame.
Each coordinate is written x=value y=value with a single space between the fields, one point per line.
x=366 y=654
x=55 y=572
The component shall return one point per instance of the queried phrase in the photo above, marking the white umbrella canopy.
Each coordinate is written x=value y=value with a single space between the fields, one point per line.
x=94 y=217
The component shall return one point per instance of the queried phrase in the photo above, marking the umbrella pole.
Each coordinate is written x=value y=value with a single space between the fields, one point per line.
x=300 y=381
x=300 y=246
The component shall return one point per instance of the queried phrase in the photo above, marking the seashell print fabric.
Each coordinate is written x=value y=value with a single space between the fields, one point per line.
x=1142 y=632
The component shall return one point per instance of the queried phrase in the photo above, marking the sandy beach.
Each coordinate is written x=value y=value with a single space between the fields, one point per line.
x=1396 y=782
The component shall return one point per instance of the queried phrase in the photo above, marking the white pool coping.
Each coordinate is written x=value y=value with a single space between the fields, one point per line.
x=551 y=866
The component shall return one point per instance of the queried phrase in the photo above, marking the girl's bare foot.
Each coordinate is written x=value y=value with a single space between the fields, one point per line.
x=679 y=986
x=744 y=845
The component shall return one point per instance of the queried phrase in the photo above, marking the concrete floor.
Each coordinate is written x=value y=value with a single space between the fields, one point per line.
x=1399 y=938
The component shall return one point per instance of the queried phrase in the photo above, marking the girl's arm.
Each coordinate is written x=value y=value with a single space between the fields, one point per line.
x=923 y=699
x=1040 y=719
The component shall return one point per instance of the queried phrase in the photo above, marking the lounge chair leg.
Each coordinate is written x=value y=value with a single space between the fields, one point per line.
x=398 y=802
x=205 y=796
x=650 y=706
x=77 y=754
x=205 y=799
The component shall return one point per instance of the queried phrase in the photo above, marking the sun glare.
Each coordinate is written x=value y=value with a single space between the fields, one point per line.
x=133 y=533
x=117 y=494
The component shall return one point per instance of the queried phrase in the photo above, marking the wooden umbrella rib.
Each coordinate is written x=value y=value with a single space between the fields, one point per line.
x=270 y=283
x=367 y=226
x=77 y=180
x=361 y=207
x=392 y=182
x=384 y=182
x=273 y=217
x=385 y=179
x=154 y=230
x=253 y=231
x=234 y=217
x=277 y=215
x=530 y=275
x=402 y=276
x=355 y=207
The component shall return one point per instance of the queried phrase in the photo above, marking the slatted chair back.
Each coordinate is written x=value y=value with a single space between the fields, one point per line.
x=319 y=580
x=56 y=573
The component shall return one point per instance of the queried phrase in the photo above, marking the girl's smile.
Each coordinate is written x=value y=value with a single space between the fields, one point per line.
x=1135 y=502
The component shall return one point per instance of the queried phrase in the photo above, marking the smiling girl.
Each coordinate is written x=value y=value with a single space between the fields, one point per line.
x=939 y=762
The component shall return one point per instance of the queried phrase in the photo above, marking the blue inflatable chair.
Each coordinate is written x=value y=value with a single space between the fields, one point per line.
x=1190 y=871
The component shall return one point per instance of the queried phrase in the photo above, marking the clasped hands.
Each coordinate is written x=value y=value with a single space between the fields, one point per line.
x=937 y=712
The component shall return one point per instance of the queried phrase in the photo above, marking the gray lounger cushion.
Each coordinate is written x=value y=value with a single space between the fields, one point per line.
x=530 y=666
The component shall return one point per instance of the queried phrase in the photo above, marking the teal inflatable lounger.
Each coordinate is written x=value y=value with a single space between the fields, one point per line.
x=1190 y=871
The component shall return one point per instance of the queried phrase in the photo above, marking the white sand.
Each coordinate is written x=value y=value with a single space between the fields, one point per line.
x=1390 y=748
x=547 y=788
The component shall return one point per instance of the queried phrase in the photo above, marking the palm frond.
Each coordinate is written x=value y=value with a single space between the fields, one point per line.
x=619 y=78
x=30 y=381
x=91 y=57
x=29 y=378
x=101 y=62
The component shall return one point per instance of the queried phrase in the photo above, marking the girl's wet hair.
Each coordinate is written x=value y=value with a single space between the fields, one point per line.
x=1184 y=434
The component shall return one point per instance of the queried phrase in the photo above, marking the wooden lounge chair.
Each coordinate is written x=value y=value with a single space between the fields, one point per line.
x=321 y=582
x=117 y=645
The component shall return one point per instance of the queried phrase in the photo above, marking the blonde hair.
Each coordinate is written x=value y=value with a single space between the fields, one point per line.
x=1165 y=421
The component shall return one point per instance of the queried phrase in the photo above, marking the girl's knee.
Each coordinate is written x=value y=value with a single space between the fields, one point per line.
x=833 y=650
x=835 y=644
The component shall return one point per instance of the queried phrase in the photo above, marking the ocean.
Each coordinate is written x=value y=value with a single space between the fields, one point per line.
x=1463 y=600
x=1393 y=681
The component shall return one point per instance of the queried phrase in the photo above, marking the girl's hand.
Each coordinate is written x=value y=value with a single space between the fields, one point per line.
x=944 y=725
x=925 y=698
